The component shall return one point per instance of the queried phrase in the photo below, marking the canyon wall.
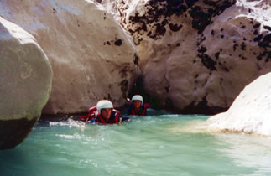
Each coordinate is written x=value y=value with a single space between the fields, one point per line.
x=91 y=56
x=197 y=55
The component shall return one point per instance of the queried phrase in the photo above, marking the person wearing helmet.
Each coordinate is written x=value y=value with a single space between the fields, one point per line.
x=103 y=113
x=137 y=107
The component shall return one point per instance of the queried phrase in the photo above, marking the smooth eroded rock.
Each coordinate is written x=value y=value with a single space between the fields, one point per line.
x=91 y=56
x=250 y=112
x=25 y=83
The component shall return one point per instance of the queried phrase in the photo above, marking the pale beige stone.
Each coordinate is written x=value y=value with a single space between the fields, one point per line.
x=25 y=74
x=79 y=39
x=250 y=112
x=25 y=83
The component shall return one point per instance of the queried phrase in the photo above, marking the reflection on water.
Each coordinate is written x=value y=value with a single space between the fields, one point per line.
x=249 y=151
x=245 y=150
x=159 y=145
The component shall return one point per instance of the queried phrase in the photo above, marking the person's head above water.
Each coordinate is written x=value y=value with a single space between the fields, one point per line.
x=104 y=108
x=137 y=101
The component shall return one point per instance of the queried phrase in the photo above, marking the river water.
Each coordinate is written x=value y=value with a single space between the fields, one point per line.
x=166 y=145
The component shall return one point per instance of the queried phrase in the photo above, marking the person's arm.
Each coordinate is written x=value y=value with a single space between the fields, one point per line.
x=124 y=119
x=128 y=102
x=147 y=105
x=91 y=114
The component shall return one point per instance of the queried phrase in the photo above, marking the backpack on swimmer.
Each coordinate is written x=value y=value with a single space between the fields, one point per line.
x=92 y=113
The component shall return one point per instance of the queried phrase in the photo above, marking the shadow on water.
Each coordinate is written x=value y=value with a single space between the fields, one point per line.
x=15 y=162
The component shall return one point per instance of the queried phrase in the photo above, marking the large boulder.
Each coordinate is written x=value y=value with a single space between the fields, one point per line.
x=25 y=83
x=197 y=55
x=91 y=56
x=250 y=112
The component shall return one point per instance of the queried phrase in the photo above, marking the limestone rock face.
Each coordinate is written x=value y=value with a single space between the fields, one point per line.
x=250 y=112
x=25 y=83
x=198 y=55
x=91 y=56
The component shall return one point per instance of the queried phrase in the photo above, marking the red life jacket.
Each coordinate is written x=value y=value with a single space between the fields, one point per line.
x=142 y=110
x=93 y=113
x=114 y=118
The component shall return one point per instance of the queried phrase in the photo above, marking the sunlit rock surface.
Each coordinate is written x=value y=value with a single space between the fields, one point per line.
x=250 y=112
x=91 y=57
x=193 y=55
x=197 y=55
x=25 y=83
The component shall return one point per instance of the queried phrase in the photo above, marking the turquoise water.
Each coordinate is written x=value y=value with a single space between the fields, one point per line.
x=169 y=145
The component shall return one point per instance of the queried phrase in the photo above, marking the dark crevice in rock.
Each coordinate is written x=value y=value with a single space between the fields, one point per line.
x=224 y=68
x=190 y=3
x=255 y=32
x=243 y=46
x=202 y=108
x=257 y=25
x=124 y=72
x=201 y=18
x=169 y=105
x=267 y=27
x=264 y=42
x=109 y=97
x=118 y=42
x=258 y=38
x=175 y=27
x=210 y=2
x=212 y=32
x=234 y=47
x=138 y=89
x=160 y=30
x=217 y=55
x=136 y=59
x=167 y=89
x=207 y=61
x=266 y=54
x=124 y=87
x=202 y=49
